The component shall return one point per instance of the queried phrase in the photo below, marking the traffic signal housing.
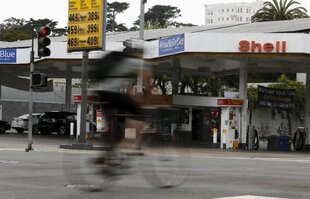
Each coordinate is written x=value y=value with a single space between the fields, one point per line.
x=44 y=41
x=38 y=80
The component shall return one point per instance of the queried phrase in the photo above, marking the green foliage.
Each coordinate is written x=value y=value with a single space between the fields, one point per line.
x=285 y=83
x=201 y=85
x=160 y=16
x=14 y=29
x=252 y=97
x=276 y=10
x=113 y=10
x=163 y=82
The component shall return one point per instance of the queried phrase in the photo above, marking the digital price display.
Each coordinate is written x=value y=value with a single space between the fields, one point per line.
x=85 y=25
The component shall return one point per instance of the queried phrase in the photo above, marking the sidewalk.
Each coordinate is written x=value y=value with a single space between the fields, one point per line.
x=53 y=142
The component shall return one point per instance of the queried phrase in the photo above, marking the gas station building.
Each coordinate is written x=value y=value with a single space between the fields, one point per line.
x=266 y=47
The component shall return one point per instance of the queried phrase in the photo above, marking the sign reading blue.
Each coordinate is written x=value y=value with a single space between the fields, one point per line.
x=7 y=55
x=171 y=44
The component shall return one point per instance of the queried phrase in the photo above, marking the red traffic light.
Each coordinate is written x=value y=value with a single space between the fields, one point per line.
x=44 y=31
x=43 y=41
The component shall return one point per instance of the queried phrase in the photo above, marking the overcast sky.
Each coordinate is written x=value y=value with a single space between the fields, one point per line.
x=192 y=10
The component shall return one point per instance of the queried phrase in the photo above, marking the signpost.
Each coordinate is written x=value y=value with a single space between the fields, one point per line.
x=86 y=31
x=86 y=28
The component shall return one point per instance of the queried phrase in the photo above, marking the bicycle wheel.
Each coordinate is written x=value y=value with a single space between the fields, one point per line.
x=164 y=164
x=83 y=171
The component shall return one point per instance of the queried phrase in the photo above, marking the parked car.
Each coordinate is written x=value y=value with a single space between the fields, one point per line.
x=58 y=121
x=20 y=124
x=4 y=126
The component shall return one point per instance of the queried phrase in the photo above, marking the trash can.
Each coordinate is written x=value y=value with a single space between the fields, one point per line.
x=273 y=143
x=284 y=143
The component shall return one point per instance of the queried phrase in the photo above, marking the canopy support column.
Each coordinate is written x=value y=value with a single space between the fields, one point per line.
x=175 y=76
x=243 y=92
x=68 y=96
x=307 y=108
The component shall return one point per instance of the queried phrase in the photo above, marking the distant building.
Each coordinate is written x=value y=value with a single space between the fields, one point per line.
x=231 y=13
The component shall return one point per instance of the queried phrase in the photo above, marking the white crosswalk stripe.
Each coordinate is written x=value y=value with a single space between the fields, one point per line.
x=249 y=197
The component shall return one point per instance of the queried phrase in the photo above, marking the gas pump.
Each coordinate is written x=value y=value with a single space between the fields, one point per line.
x=91 y=122
x=230 y=126
x=230 y=122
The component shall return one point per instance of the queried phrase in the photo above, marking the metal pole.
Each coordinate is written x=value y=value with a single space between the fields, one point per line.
x=141 y=31
x=30 y=141
x=141 y=37
x=82 y=138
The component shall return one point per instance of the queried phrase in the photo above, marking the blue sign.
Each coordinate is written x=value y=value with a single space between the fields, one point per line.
x=7 y=55
x=171 y=44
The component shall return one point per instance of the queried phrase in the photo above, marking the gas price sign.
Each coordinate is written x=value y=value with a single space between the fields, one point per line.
x=86 y=25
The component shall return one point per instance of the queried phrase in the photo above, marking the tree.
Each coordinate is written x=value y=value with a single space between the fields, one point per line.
x=283 y=82
x=276 y=10
x=160 y=16
x=201 y=85
x=14 y=29
x=113 y=10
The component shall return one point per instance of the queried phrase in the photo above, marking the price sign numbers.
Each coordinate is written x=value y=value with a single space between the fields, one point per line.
x=85 y=24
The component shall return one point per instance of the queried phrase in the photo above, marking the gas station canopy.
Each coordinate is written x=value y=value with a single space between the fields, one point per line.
x=279 y=46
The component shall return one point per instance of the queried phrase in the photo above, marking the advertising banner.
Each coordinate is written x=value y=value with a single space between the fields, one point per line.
x=171 y=44
x=7 y=55
x=276 y=98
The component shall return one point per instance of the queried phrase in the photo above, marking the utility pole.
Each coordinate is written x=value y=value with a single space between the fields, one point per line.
x=141 y=38
x=141 y=31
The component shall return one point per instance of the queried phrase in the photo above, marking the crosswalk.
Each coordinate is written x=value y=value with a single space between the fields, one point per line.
x=249 y=197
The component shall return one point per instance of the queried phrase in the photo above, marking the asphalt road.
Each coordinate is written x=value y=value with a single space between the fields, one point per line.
x=51 y=172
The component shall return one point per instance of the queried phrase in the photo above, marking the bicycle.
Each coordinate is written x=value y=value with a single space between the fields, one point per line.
x=162 y=163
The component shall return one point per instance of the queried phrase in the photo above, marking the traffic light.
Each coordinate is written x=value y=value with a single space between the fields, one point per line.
x=43 y=41
x=39 y=80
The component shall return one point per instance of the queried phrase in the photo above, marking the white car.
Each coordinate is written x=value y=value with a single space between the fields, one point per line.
x=20 y=124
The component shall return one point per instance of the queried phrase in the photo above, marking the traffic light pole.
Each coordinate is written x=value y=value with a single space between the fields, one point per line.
x=43 y=41
x=30 y=141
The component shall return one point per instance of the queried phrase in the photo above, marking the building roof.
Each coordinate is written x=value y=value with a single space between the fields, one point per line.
x=287 y=26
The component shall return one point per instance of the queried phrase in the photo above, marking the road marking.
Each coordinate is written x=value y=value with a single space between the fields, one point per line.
x=8 y=162
x=80 y=186
x=249 y=197
x=261 y=159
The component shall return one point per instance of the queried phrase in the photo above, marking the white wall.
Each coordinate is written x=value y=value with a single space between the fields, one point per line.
x=266 y=125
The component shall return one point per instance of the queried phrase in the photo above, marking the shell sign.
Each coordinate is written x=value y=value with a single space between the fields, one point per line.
x=267 y=47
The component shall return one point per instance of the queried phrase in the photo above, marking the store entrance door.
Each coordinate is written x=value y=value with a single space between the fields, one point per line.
x=203 y=121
